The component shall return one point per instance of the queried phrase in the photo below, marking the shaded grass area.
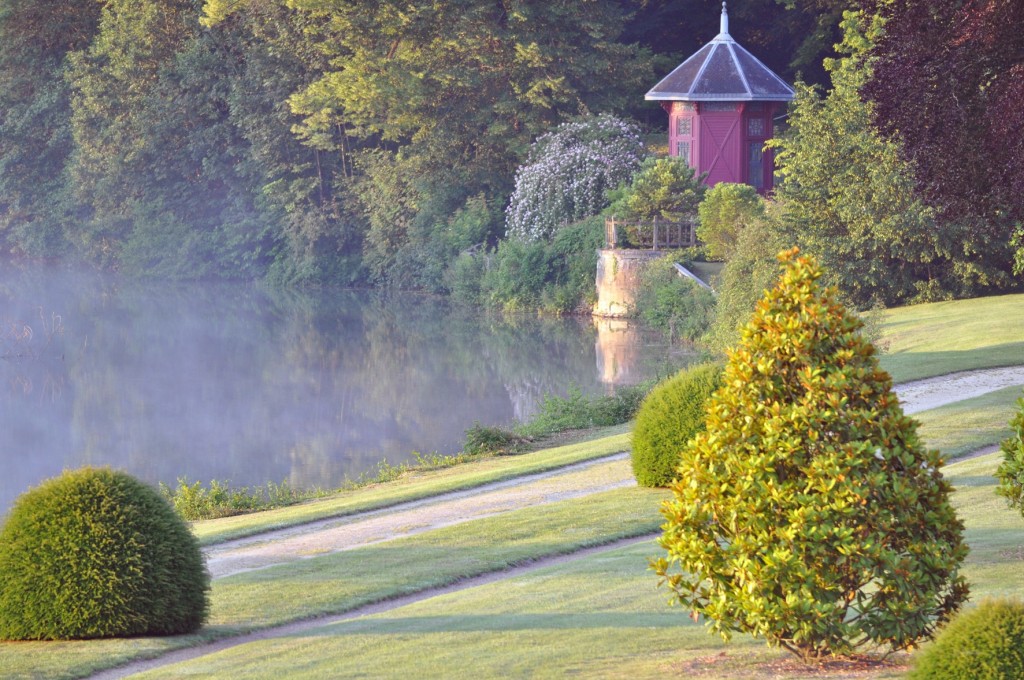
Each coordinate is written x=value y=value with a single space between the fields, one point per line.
x=966 y=426
x=945 y=337
x=342 y=581
x=415 y=486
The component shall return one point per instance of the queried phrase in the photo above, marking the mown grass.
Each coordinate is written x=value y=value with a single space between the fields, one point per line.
x=921 y=341
x=343 y=581
x=600 y=616
x=944 y=337
x=415 y=486
x=967 y=426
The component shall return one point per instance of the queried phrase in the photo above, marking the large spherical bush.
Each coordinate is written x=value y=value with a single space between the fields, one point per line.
x=670 y=415
x=986 y=643
x=97 y=553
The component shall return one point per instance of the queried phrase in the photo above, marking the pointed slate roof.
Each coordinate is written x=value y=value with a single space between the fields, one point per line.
x=722 y=70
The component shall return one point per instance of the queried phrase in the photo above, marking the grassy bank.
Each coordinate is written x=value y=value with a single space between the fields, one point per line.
x=607 y=602
x=599 y=616
x=967 y=426
x=416 y=486
x=944 y=337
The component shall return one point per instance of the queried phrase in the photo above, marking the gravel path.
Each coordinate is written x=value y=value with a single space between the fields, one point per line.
x=333 y=535
x=921 y=395
x=354 y=531
x=581 y=479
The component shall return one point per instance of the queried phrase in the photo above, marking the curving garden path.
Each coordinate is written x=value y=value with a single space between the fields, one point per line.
x=324 y=536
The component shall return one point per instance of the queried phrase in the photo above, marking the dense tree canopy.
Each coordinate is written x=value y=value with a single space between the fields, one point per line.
x=948 y=81
x=35 y=130
x=310 y=142
x=849 y=198
x=451 y=94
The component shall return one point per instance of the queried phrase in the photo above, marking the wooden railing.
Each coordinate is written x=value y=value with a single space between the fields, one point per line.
x=656 y=234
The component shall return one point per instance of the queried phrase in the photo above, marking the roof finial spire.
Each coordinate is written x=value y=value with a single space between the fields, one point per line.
x=725 y=20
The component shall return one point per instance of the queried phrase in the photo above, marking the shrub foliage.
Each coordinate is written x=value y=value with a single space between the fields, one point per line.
x=669 y=417
x=97 y=553
x=809 y=512
x=726 y=209
x=568 y=172
x=1011 y=470
x=986 y=643
x=673 y=304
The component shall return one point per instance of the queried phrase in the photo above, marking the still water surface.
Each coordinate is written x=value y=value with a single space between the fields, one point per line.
x=234 y=382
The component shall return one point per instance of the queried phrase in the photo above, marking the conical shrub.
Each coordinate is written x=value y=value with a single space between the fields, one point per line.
x=808 y=512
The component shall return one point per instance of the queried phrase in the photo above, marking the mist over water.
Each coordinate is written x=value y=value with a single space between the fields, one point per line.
x=233 y=382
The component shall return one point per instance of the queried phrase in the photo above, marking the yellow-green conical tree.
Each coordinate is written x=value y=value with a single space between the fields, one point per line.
x=809 y=513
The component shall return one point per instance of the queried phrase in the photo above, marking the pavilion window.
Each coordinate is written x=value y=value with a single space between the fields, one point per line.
x=755 y=165
x=683 y=151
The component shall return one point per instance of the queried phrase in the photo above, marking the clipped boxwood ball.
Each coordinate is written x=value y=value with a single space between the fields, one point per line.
x=97 y=553
x=986 y=643
x=670 y=415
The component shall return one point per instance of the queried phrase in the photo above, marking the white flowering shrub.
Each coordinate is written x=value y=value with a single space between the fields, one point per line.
x=568 y=172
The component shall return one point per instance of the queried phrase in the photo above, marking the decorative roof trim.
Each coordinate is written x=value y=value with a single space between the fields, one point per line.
x=784 y=92
x=735 y=60
x=723 y=26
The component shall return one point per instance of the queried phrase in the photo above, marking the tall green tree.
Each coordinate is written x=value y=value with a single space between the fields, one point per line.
x=849 y=198
x=112 y=81
x=35 y=131
x=452 y=94
x=195 y=171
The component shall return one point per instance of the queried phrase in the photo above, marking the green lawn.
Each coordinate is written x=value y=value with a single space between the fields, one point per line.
x=343 y=581
x=945 y=337
x=966 y=426
x=600 y=616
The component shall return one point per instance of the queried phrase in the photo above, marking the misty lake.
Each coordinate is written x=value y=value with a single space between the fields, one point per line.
x=238 y=383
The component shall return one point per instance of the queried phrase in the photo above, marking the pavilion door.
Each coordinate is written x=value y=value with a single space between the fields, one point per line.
x=720 y=147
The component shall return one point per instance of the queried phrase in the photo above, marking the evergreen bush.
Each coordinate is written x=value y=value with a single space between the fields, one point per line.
x=1011 y=471
x=809 y=513
x=96 y=553
x=669 y=417
x=986 y=643
x=725 y=211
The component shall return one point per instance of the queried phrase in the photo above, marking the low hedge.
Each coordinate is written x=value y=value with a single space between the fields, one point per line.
x=97 y=553
x=985 y=643
x=668 y=418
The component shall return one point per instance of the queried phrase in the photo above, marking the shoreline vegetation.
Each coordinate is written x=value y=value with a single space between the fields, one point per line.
x=574 y=413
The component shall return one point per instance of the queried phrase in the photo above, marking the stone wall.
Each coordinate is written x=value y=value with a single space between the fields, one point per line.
x=618 y=278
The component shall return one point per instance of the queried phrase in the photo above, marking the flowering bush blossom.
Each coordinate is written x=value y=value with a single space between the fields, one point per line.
x=567 y=172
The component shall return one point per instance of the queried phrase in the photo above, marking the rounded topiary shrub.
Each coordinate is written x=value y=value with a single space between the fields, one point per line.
x=986 y=643
x=97 y=553
x=670 y=415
